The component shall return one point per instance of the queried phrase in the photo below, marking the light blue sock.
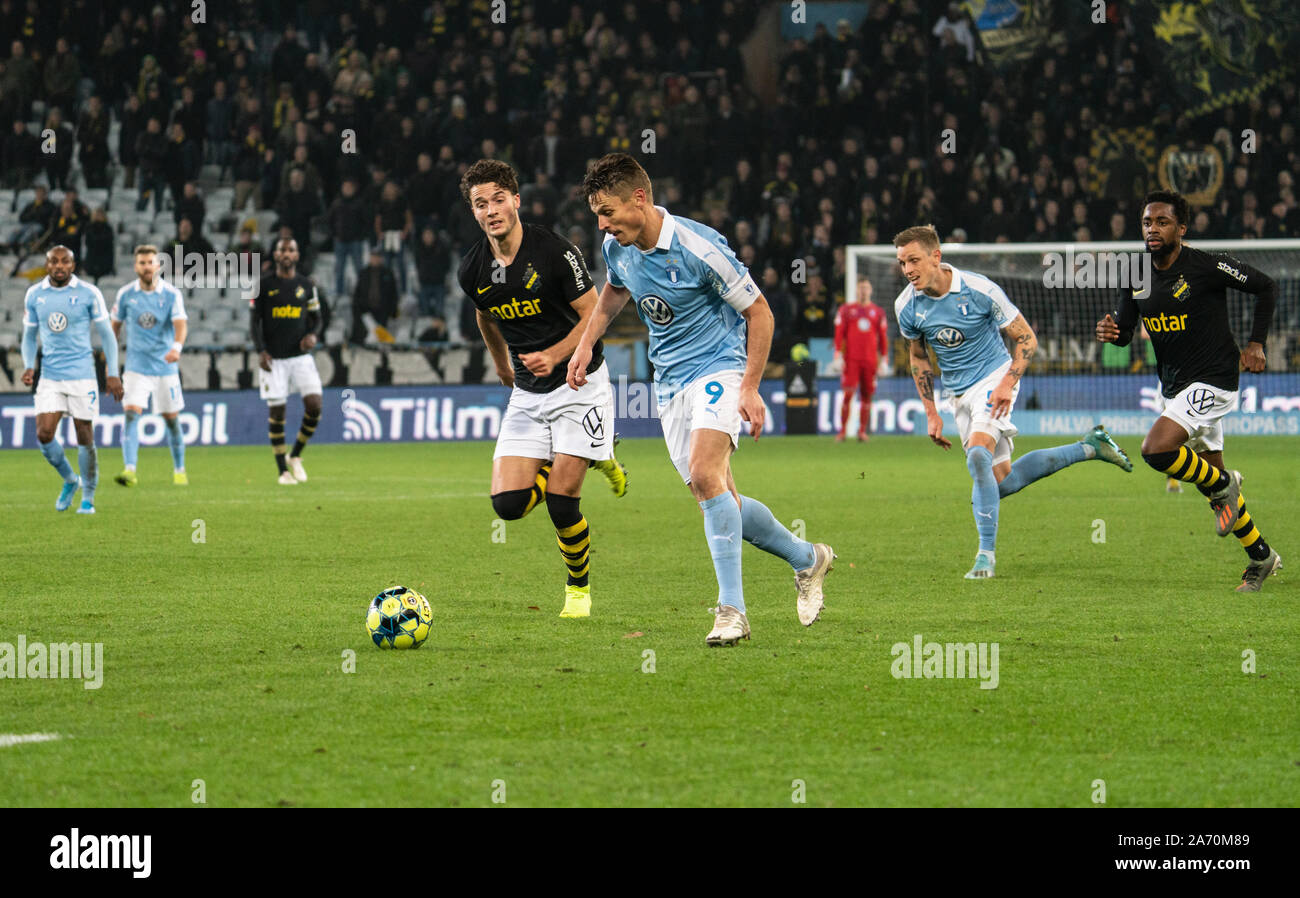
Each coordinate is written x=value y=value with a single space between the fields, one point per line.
x=88 y=462
x=723 y=529
x=55 y=455
x=1039 y=464
x=984 y=496
x=176 y=442
x=761 y=528
x=131 y=439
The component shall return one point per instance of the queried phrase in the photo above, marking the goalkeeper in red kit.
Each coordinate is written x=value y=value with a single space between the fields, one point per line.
x=860 y=344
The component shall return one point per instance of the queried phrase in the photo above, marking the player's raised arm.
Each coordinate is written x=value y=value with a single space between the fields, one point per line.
x=496 y=345
x=608 y=305
x=923 y=377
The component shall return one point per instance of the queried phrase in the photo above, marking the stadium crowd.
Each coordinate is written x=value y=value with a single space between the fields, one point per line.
x=354 y=127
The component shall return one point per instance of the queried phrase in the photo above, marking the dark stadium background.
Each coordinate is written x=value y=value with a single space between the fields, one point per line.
x=793 y=139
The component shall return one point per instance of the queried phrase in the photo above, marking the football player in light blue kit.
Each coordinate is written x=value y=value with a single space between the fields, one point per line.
x=710 y=331
x=62 y=310
x=965 y=316
x=152 y=312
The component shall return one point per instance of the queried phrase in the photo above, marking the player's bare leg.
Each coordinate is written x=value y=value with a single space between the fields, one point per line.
x=311 y=408
x=130 y=445
x=572 y=533
x=1263 y=559
x=711 y=485
x=984 y=500
x=87 y=463
x=47 y=425
x=275 y=427
x=176 y=443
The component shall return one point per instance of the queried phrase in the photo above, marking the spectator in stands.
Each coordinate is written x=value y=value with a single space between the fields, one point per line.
x=432 y=264
x=151 y=150
x=69 y=224
x=374 y=299
x=92 y=140
x=191 y=206
x=190 y=240
x=348 y=224
x=99 y=246
x=33 y=222
x=183 y=160
x=296 y=208
x=248 y=169
x=21 y=79
x=58 y=160
x=22 y=156
x=394 y=226
x=220 y=129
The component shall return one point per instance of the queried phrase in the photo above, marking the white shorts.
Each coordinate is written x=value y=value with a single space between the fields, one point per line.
x=564 y=421
x=710 y=403
x=165 y=389
x=1199 y=410
x=292 y=375
x=974 y=414
x=78 y=398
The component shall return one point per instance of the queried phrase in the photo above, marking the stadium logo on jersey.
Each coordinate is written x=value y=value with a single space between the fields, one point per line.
x=673 y=273
x=1232 y=272
x=57 y=322
x=1181 y=289
x=594 y=424
x=146 y=320
x=949 y=337
x=1200 y=401
x=655 y=310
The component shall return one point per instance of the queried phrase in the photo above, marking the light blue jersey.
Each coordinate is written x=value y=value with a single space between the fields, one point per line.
x=964 y=326
x=64 y=317
x=689 y=290
x=148 y=317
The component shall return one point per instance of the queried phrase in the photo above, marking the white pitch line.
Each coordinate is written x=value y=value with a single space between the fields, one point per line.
x=8 y=739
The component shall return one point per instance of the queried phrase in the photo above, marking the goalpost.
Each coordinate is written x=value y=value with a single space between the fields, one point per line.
x=1063 y=289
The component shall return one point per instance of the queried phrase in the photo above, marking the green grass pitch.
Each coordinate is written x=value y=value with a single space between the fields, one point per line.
x=1120 y=660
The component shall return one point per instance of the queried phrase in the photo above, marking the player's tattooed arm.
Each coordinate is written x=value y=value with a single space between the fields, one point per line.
x=1023 y=345
x=922 y=370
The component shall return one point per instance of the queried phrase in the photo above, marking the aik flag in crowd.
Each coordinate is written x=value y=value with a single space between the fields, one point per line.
x=1223 y=51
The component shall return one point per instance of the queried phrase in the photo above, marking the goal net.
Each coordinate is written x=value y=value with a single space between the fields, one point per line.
x=1063 y=289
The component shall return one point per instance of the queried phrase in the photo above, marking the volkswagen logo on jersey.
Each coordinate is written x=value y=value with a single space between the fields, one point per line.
x=57 y=321
x=146 y=320
x=655 y=310
x=1200 y=401
x=949 y=337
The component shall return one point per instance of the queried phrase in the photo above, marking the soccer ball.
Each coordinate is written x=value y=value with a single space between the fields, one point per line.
x=399 y=618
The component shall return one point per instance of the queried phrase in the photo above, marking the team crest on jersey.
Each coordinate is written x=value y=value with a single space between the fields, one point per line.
x=531 y=278
x=949 y=337
x=57 y=322
x=965 y=307
x=300 y=292
x=656 y=310
x=146 y=320
x=673 y=273
x=1181 y=289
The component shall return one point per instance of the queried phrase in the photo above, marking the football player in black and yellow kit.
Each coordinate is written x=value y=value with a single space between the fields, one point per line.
x=286 y=325
x=533 y=296
x=1185 y=313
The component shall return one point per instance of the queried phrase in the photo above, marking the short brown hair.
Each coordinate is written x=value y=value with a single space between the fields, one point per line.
x=489 y=171
x=925 y=235
x=145 y=249
x=616 y=173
